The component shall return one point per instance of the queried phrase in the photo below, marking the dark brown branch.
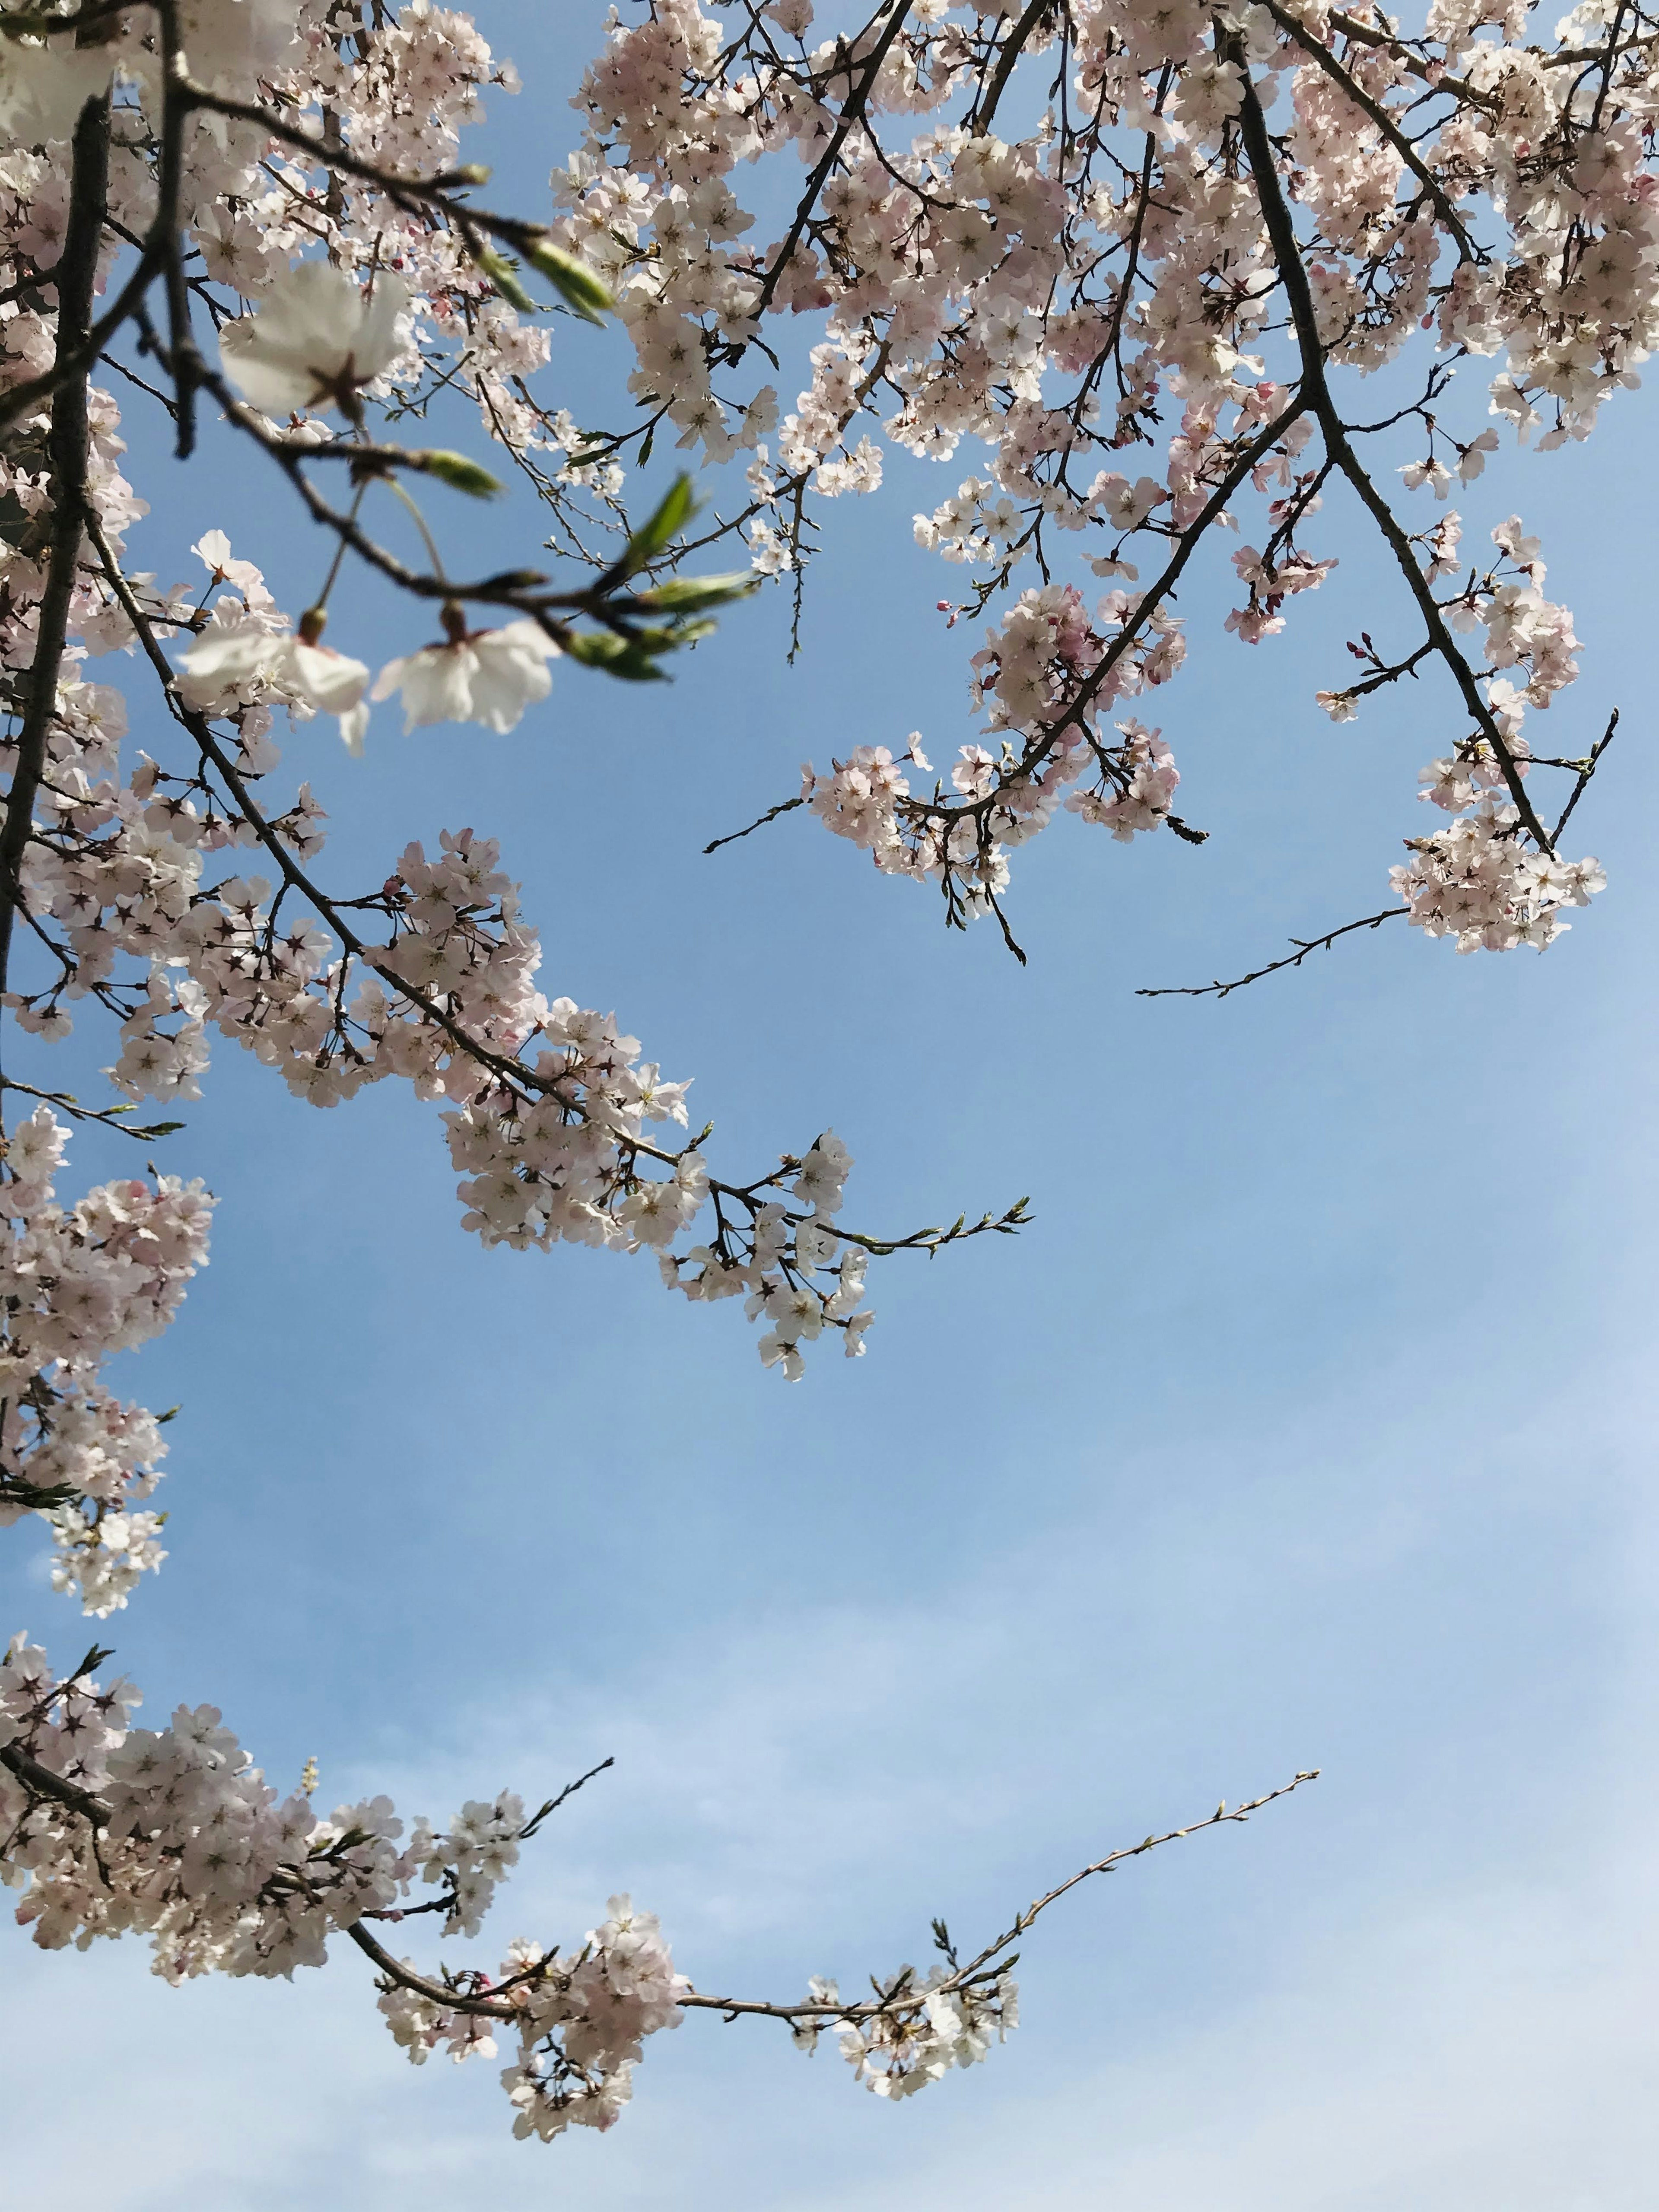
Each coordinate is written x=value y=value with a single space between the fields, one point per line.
x=45 y=1784
x=1586 y=772
x=1148 y=604
x=1466 y=248
x=1012 y=47
x=1305 y=946
x=851 y=114
x=1315 y=390
x=976 y=1966
x=183 y=356
x=784 y=807
x=66 y=445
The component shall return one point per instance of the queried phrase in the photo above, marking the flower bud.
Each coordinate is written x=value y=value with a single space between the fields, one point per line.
x=573 y=280
x=460 y=474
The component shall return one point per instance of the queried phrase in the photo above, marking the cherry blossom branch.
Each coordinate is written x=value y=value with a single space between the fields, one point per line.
x=1007 y=58
x=511 y=1071
x=109 y=1116
x=1305 y=946
x=1287 y=254
x=66 y=445
x=1321 y=54
x=852 y=112
x=1221 y=1817
x=1586 y=772
x=453 y=1993
x=1149 y=601
x=1437 y=80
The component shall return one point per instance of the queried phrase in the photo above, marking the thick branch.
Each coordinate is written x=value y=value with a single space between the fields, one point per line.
x=66 y=445
x=1012 y=47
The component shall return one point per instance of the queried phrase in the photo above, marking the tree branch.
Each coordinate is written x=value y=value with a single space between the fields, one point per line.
x=1467 y=250
x=66 y=445
x=1305 y=946
x=1293 y=274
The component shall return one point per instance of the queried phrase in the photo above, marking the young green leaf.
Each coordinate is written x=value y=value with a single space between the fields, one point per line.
x=503 y=275
x=691 y=594
x=654 y=535
x=573 y=280
x=460 y=474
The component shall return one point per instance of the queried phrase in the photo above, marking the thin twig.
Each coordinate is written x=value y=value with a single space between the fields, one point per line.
x=1305 y=946
x=1586 y=773
x=785 y=806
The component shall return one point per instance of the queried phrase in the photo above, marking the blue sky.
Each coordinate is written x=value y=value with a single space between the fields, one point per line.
x=1309 y=1426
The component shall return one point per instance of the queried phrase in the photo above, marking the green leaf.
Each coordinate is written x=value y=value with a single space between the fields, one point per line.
x=504 y=276
x=573 y=280
x=660 y=640
x=460 y=474
x=636 y=665
x=655 y=537
x=633 y=659
x=689 y=594
x=595 y=648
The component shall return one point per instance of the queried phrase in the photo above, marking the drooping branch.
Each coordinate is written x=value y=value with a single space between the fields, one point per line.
x=512 y=1072
x=993 y=1959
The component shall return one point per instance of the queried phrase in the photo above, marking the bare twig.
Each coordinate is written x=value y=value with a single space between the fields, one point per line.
x=1586 y=773
x=1305 y=946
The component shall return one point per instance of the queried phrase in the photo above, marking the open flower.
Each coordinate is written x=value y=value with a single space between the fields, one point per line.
x=316 y=337
x=226 y=656
x=488 y=675
x=44 y=86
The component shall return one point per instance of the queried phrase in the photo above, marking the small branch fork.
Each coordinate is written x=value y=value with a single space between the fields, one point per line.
x=1587 y=770
x=1316 y=396
x=992 y=1960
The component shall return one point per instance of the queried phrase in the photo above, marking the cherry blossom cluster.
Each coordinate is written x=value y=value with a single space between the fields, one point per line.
x=580 y=2019
x=76 y=1287
x=1066 y=244
x=930 y=2022
x=1147 y=272
x=188 y=1844
x=548 y=1104
x=173 y=1834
